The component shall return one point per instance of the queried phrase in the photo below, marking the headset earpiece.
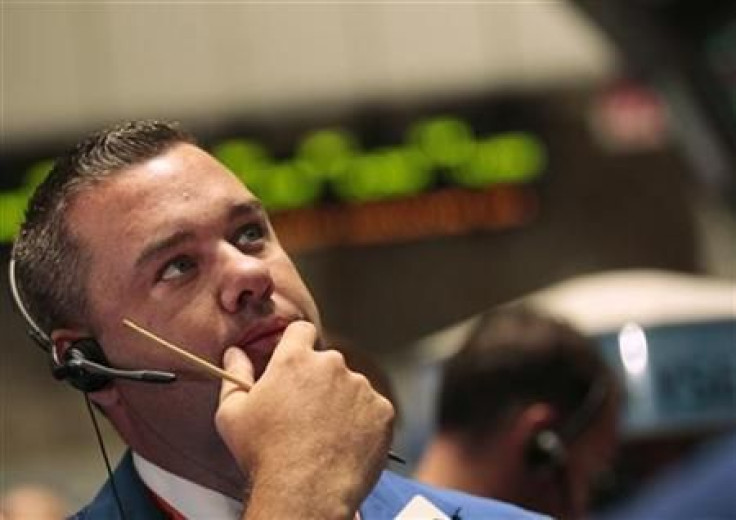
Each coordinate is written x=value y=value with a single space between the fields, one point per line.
x=546 y=451
x=84 y=363
x=75 y=362
x=547 y=447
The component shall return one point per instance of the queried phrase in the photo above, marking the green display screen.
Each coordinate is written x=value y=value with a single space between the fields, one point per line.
x=330 y=167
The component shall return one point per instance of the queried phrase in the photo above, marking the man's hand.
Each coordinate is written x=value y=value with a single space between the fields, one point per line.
x=311 y=435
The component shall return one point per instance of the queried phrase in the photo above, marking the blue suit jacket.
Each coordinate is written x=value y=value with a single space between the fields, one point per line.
x=700 y=486
x=387 y=499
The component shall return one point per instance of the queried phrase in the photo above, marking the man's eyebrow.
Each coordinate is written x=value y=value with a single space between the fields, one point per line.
x=252 y=207
x=246 y=208
x=157 y=247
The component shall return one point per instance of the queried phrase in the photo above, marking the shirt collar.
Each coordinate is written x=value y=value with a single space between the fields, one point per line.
x=188 y=498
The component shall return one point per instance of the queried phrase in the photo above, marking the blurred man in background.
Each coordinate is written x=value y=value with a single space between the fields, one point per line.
x=527 y=413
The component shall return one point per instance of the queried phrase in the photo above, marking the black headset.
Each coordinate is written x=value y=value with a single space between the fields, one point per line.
x=547 y=449
x=84 y=364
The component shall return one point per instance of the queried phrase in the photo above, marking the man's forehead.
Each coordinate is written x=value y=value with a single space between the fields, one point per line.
x=182 y=167
x=180 y=162
x=180 y=158
x=160 y=165
x=183 y=185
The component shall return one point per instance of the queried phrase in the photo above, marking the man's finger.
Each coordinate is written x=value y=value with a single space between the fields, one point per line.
x=236 y=362
x=297 y=335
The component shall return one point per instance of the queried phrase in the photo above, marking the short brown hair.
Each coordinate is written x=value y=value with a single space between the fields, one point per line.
x=516 y=356
x=49 y=260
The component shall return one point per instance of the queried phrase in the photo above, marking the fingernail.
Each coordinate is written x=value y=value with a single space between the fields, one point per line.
x=230 y=356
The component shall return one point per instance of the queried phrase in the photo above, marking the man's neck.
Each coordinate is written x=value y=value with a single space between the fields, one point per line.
x=447 y=464
x=187 y=498
x=192 y=450
x=222 y=477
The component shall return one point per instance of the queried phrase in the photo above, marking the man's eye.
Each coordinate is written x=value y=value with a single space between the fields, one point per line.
x=249 y=234
x=176 y=268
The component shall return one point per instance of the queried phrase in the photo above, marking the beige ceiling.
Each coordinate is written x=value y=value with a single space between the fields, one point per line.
x=71 y=65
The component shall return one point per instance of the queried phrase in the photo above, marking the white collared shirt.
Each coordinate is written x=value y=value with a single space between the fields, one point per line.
x=189 y=499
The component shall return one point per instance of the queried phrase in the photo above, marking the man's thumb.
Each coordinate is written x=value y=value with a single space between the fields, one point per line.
x=236 y=362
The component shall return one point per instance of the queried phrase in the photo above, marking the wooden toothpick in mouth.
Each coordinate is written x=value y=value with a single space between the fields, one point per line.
x=192 y=359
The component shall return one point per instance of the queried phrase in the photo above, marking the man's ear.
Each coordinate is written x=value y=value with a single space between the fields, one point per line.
x=62 y=339
x=533 y=419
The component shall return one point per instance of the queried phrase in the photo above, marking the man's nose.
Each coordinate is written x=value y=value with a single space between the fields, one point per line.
x=246 y=281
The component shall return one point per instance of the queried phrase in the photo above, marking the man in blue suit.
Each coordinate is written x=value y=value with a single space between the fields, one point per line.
x=138 y=223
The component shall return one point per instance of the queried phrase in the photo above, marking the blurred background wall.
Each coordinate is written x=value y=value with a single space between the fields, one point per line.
x=71 y=66
x=616 y=189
